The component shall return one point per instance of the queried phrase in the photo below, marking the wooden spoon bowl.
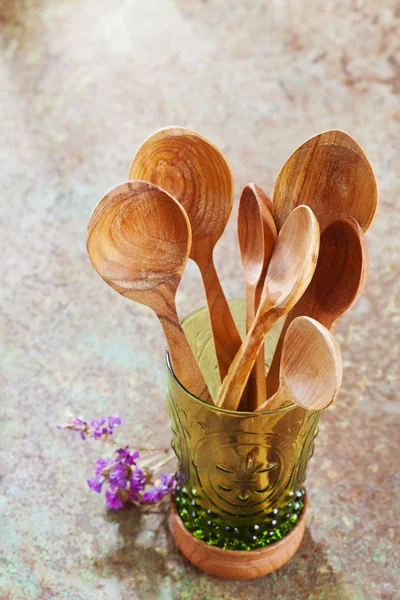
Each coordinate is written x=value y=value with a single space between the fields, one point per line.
x=341 y=273
x=311 y=367
x=138 y=239
x=193 y=170
x=257 y=235
x=331 y=174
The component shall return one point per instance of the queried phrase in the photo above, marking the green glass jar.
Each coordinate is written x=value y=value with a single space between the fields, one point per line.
x=240 y=475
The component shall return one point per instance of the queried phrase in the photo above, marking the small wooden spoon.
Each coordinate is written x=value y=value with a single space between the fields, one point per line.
x=290 y=271
x=138 y=241
x=330 y=173
x=339 y=279
x=257 y=235
x=311 y=368
x=195 y=172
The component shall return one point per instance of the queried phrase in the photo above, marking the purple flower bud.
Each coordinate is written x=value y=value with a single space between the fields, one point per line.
x=96 y=423
x=137 y=483
x=118 y=477
x=100 y=464
x=153 y=495
x=156 y=493
x=96 y=483
x=167 y=481
x=105 y=426
x=127 y=457
x=97 y=428
x=115 y=420
x=113 y=500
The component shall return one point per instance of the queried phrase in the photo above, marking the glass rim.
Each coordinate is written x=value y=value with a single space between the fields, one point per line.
x=274 y=411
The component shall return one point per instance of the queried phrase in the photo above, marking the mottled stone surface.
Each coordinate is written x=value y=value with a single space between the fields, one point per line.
x=82 y=84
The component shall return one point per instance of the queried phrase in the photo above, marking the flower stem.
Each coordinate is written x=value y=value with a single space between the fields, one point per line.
x=161 y=463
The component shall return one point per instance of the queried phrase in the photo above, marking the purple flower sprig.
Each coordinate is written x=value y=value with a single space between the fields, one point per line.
x=98 y=428
x=126 y=482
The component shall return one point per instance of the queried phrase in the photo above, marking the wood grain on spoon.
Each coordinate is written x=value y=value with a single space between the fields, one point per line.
x=339 y=279
x=138 y=241
x=290 y=271
x=331 y=174
x=311 y=368
x=196 y=173
x=257 y=235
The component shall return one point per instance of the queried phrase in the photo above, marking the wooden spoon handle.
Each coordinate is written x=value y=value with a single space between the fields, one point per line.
x=276 y=401
x=226 y=336
x=273 y=371
x=240 y=369
x=257 y=389
x=258 y=377
x=183 y=361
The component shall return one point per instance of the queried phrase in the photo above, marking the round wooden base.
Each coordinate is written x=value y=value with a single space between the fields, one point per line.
x=236 y=564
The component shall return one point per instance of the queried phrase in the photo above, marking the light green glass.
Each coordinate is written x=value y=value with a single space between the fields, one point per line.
x=241 y=474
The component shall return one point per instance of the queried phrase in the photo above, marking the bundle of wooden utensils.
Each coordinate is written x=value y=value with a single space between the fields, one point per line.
x=304 y=255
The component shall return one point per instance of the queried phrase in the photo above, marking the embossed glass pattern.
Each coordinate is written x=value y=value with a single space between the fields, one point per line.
x=241 y=474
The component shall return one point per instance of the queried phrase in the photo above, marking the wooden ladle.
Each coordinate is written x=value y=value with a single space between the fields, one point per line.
x=311 y=368
x=339 y=279
x=195 y=172
x=138 y=241
x=290 y=271
x=257 y=235
x=331 y=174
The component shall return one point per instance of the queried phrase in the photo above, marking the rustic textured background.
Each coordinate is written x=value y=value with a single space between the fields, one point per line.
x=82 y=84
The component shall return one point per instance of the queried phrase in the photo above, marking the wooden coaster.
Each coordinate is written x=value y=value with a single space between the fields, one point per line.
x=237 y=564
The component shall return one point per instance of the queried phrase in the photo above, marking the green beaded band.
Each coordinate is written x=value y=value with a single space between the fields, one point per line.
x=210 y=528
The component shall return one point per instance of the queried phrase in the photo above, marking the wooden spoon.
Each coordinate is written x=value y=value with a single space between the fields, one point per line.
x=290 y=271
x=257 y=235
x=330 y=173
x=339 y=279
x=138 y=241
x=311 y=368
x=195 y=172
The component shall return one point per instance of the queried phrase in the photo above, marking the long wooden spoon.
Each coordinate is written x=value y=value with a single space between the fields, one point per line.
x=257 y=235
x=311 y=368
x=339 y=279
x=290 y=271
x=138 y=241
x=195 y=172
x=331 y=174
